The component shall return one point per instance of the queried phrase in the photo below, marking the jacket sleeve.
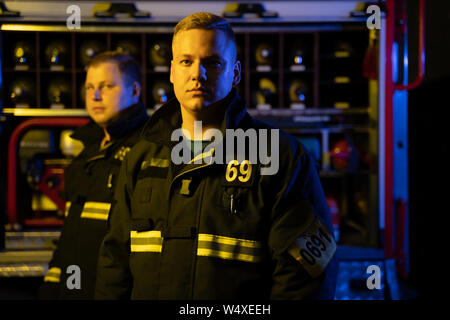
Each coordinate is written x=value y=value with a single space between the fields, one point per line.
x=114 y=279
x=49 y=289
x=300 y=237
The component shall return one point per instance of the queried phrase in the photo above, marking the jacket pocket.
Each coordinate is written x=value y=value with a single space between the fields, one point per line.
x=141 y=202
x=233 y=200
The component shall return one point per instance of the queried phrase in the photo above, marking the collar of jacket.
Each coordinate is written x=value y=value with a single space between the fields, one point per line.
x=168 y=118
x=129 y=120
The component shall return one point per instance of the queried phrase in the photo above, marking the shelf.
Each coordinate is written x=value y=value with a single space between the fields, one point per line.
x=341 y=174
x=41 y=112
x=358 y=82
x=282 y=113
x=31 y=240
x=24 y=263
x=67 y=70
x=265 y=71
x=345 y=252
x=30 y=70
x=153 y=71
x=290 y=71
x=307 y=111
x=19 y=256
x=332 y=56
x=46 y=112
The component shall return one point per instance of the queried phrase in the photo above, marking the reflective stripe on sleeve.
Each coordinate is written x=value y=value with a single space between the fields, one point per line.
x=66 y=211
x=53 y=275
x=96 y=210
x=210 y=245
x=146 y=241
x=155 y=162
x=161 y=163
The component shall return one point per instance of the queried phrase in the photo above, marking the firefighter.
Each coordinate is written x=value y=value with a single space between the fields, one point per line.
x=117 y=115
x=217 y=225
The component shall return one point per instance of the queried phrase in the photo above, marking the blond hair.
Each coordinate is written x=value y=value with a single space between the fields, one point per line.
x=129 y=68
x=206 y=21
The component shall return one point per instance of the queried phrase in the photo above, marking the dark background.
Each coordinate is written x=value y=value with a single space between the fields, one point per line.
x=428 y=148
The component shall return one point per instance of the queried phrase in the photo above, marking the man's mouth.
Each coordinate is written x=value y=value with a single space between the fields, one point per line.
x=98 y=109
x=198 y=91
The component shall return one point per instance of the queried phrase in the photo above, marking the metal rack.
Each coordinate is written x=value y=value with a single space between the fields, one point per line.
x=318 y=120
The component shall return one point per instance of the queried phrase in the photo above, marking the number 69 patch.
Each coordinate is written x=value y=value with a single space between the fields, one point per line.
x=239 y=174
x=314 y=249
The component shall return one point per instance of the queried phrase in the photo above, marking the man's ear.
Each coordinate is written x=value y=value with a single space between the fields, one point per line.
x=237 y=73
x=137 y=90
x=171 y=67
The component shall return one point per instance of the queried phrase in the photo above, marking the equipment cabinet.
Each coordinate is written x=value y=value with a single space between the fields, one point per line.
x=316 y=80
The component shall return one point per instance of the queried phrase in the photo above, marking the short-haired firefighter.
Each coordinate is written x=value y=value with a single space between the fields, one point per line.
x=197 y=219
x=113 y=102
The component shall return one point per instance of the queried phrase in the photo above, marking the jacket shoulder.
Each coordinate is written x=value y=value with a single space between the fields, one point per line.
x=287 y=143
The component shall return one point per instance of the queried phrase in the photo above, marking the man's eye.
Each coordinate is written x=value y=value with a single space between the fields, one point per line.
x=215 y=64
x=185 y=62
x=107 y=86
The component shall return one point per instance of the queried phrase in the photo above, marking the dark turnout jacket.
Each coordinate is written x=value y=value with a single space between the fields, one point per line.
x=89 y=186
x=210 y=230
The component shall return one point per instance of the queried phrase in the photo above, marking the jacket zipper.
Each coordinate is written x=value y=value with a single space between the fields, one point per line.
x=194 y=259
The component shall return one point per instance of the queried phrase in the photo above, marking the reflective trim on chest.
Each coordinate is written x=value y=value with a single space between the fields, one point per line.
x=210 y=245
x=146 y=241
x=96 y=210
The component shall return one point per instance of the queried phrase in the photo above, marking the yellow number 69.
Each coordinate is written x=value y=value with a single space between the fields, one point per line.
x=245 y=170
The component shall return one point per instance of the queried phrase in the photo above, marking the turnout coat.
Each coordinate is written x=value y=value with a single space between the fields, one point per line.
x=211 y=230
x=89 y=186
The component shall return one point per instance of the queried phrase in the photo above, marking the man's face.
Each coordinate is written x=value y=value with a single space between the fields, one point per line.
x=107 y=93
x=203 y=69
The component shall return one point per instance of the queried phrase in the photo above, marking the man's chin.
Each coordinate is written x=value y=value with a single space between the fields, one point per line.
x=101 y=121
x=197 y=106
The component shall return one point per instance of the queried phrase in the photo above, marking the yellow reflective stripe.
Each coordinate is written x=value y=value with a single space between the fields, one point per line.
x=145 y=234
x=145 y=248
x=227 y=255
x=97 y=205
x=229 y=240
x=96 y=210
x=53 y=275
x=66 y=211
x=146 y=241
x=229 y=248
x=161 y=163
x=203 y=155
x=96 y=216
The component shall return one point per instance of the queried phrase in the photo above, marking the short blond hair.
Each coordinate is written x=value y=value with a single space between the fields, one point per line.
x=206 y=21
x=129 y=68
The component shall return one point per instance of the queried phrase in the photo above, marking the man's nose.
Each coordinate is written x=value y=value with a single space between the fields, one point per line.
x=97 y=94
x=198 y=72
